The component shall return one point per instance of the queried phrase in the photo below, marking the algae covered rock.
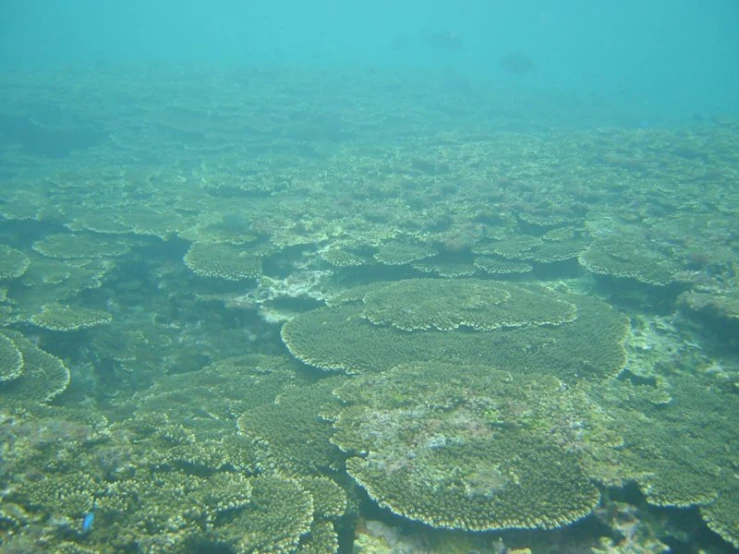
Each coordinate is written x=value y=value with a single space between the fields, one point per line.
x=722 y=304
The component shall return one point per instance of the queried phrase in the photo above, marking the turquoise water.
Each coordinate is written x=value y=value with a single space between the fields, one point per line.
x=420 y=278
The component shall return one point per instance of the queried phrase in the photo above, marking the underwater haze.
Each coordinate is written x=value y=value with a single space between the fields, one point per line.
x=664 y=59
x=369 y=278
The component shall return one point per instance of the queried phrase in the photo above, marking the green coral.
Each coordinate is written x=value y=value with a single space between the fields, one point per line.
x=630 y=257
x=195 y=447
x=153 y=220
x=46 y=468
x=69 y=496
x=230 y=228
x=448 y=304
x=12 y=515
x=11 y=360
x=681 y=453
x=281 y=512
x=354 y=294
x=7 y=315
x=346 y=255
x=551 y=251
x=298 y=438
x=466 y=447
x=450 y=269
x=157 y=486
x=50 y=281
x=401 y=253
x=67 y=547
x=561 y=234
x=222 y=390
x=23 y=204
x=13 y=263
x=170 y=508
x=516 y=247
x=554 y=247
x=548 y=217
x=320 y=539
x=42 y=378
x=341 y=338
x=433 y=303
x=722 y=515
x=223 y=260
x=329 y=499
x=81 y=245
x=60 y=317
x=98 y=222
x=498 y=266
x=228 y=453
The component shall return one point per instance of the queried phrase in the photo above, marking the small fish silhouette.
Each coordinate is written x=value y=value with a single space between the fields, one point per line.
x=89 y=519
x=516 y=63
x=448 y=40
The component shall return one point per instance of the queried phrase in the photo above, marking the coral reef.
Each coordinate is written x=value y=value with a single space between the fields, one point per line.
x=446 y=304
x=87 y=246
x=222 y=260
x=14 y=263
x=58 y=317
x=478 y=288
x=466 y=447
x=40 y=378
x=589 y=347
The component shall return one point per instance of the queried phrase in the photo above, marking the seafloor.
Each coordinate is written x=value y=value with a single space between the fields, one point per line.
x=274 y=310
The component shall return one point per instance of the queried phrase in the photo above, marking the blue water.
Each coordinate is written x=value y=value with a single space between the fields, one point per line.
x=664 y=59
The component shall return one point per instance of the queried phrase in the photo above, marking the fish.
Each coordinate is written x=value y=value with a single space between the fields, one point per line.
x=516 y=63
x=448 y=40
x=89 y=520
x=400 y=42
